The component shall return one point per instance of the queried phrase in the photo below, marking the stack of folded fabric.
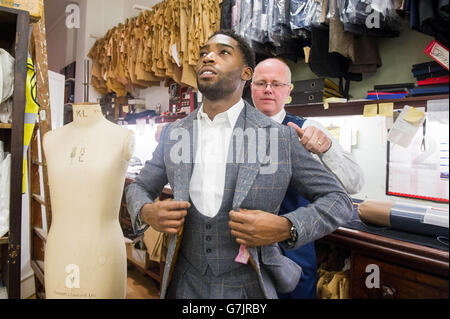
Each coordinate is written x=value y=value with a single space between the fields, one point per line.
x=432 y=78
x=389 y=91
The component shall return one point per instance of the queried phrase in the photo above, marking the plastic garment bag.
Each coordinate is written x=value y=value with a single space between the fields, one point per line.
x=6 y=75
x=5 y=178
x=259 y=21
x=245 y=17
x=280 y=28
x=296 y=18
x=6 y=111
x=371 y=17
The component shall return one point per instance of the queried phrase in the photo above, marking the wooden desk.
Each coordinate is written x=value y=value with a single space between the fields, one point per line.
x=406 y=270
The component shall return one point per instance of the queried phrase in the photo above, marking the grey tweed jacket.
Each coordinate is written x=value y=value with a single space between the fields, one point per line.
x=261 y=184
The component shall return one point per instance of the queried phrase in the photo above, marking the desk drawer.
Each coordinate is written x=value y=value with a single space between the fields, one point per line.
x=394 y=281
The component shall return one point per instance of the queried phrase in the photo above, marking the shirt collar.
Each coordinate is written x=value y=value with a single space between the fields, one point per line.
x=231 y=114
x=279 y=117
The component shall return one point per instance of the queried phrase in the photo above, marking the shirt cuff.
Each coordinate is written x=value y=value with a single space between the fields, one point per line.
x=332 y=154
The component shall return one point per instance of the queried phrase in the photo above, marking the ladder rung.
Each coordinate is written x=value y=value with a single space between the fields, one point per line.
x=40 y=295
x=39 y=199
x=38 y=268
x=40 y=264
x=41 y=233
x=37 y=163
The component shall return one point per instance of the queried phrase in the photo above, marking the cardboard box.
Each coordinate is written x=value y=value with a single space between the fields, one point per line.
x=137 y=256
x=34 y=7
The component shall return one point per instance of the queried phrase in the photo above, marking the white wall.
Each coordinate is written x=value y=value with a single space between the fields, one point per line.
x=371 y=155
x=97 y=17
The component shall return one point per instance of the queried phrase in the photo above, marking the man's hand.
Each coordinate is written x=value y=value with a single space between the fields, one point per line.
x=165 y=216
x=312 y=138
x=258 y=228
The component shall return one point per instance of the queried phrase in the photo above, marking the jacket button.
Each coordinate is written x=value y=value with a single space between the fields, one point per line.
x=208 y=238
x=208 y=250
x=208 y=226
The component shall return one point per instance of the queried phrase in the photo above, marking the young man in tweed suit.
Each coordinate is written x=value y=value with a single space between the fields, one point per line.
x=228 y=190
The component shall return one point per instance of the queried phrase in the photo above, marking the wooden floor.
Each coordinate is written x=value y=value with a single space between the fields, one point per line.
x=140 y=286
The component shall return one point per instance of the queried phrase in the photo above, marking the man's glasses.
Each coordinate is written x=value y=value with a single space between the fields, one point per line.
x=261 y=85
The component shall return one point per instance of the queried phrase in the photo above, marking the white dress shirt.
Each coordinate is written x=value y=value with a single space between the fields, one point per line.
x=337 y=160
x=208 y=177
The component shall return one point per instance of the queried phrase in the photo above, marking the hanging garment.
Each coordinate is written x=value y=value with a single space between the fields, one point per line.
x=362 y=50
x=369 y=17
x=430 y=17
x=156 y=46
x=5 y=183
x=330 y=64
x=225 y=15
x=6 y=75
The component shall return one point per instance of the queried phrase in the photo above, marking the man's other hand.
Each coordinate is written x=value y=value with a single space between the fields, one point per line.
x=165 y=216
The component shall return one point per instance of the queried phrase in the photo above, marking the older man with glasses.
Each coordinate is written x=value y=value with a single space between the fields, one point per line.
x=271 y=87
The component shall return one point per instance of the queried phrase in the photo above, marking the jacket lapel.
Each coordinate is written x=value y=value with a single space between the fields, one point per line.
x=183 y=170
x=249 y=121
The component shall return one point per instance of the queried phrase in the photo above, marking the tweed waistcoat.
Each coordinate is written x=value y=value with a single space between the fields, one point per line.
x=208 y=241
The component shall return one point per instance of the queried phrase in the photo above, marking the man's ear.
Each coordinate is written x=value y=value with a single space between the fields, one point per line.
x=291 y=86
x=247 y=73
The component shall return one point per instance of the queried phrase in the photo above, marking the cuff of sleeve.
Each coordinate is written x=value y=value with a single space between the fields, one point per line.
x=139 y=226
x=333 y=154
x=300 y=233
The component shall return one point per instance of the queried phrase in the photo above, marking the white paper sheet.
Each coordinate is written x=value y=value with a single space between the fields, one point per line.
x=414 y=171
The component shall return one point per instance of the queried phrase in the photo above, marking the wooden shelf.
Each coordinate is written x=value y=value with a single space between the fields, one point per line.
x=3 y=240
x=154 y=272
x=5 y=125
x=357 y=107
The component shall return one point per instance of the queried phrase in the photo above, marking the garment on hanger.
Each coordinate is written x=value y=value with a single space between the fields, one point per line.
x=430 y=17
x=362 y=50
x=5 y=182
x=330 y=64
x=226 y=14
x=265 y=24
x=158 y=45
x=6 y=75
x=369 y=17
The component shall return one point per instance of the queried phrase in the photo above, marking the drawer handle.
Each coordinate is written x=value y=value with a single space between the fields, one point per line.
x=387 y=292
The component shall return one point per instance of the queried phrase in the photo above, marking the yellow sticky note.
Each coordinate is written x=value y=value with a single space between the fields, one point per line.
x=413 y=115
x=289 y=100
x=386 y=109
x=370 y=110
x=335 y=132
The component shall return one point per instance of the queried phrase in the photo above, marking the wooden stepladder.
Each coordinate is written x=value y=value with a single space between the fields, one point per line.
x=37 y=168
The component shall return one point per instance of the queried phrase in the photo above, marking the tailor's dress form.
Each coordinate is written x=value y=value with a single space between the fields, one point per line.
x=85 y=254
